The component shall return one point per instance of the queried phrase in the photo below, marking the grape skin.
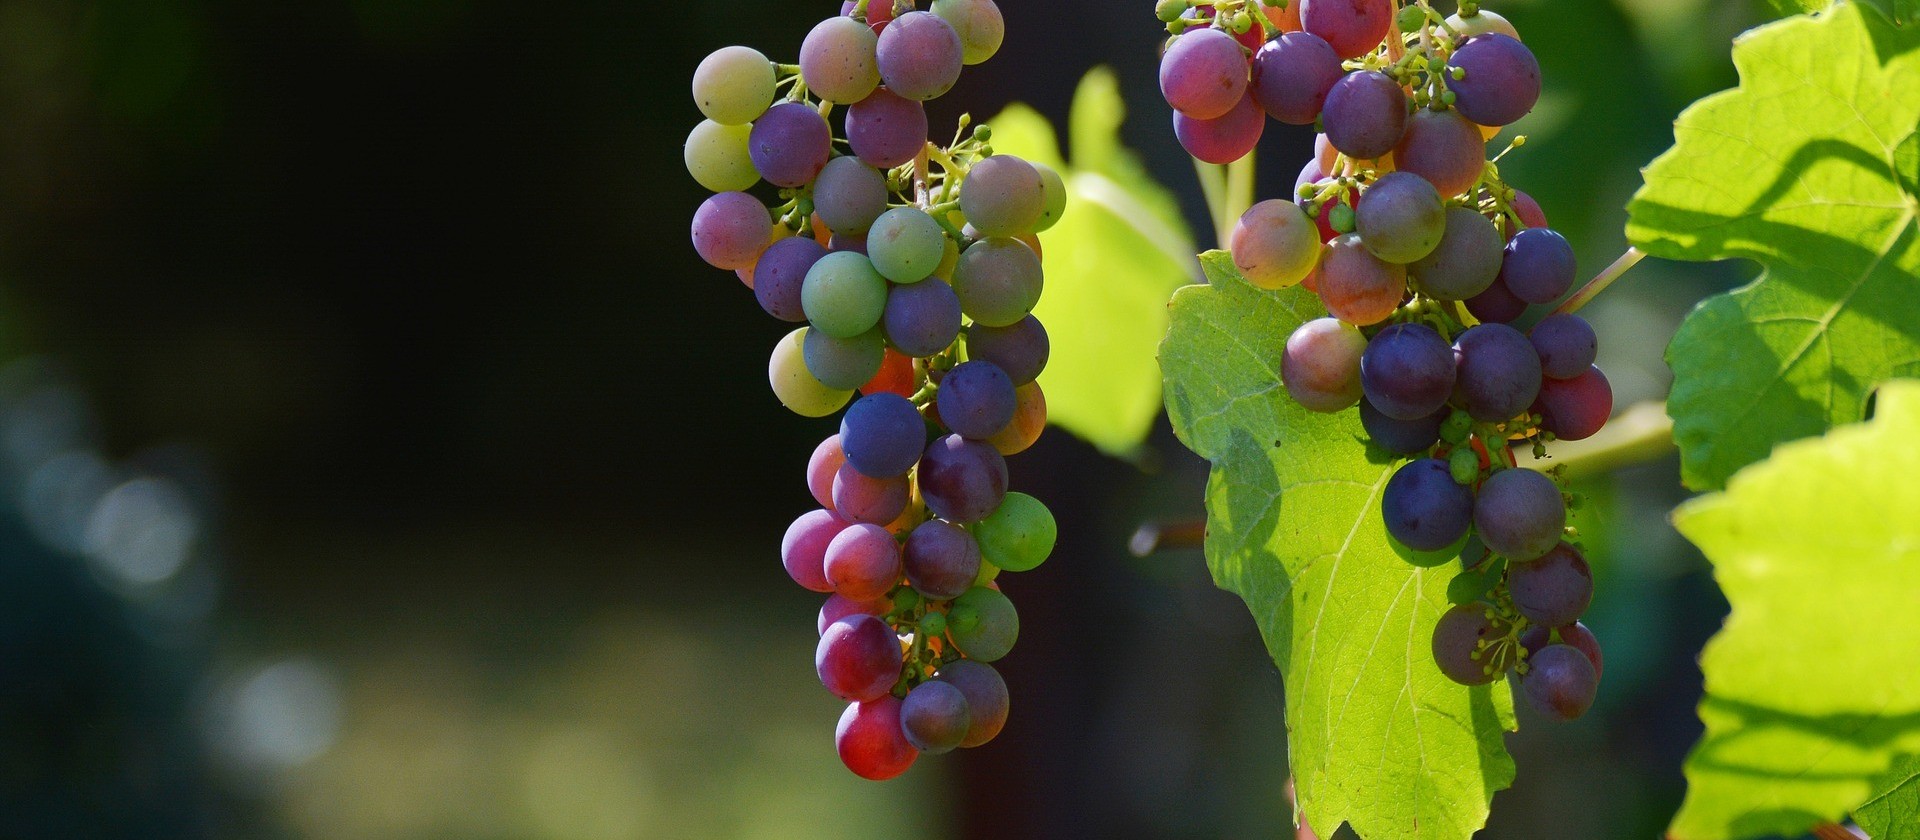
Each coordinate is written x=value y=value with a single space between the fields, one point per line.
x=1519 y=514
x=976 y=400
x=1053 y=191
x=858 y=658
x=934 y=717
x=863 y=561
x=1575 y=409
x=1576 y=634
x=942 y=560
x=1292 y=75
x=1566 y=345
x=1407 y=371
x=1029 y=421
x=716 y=156
x=1020 y=534
x=731 y=229
x=1501 y=81
x=1203 y=73
x=906 y=244
x=1444 y=148
x=794 y=386
x=1020 y=350
x=1275 y=245
x=1401 y=437
x=923 y=318
x=1424 y=508
x=919 y=56
x=1003 y=196
x=978 y=23
x=734 y=85
x=983 y=624
x=1400 y=218
x=870 y=742
x=1496 y=305
x=803 y=551
x=1538 y=266
x=1365 y=114
x=837 y=60
x=1457 y=635
x=1321 y=365
x=821 y=467
x=882 y=435
x=1357 y=286
x=1465 y=263
x=839 y=606
x=886 y=130
x=843 y=295
x=962 y=481
x=986 y=695
x=1224 y=139
x=998 y=281
x=1560 y=682
x=790 y=144
x=843 y=363
x=1352 y=27
x=1554 y=589
x=849 y=195
x=1498 y=373
x=780 y=274
x=860 y=499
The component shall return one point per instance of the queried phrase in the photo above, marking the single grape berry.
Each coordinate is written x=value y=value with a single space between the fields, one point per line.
x=849 y=194
x=906 y=244
x=921 y=319
x=1554 y=589
x=919 y=56
x=1019 y=535
x=839 y=606
x=882 y=435
x=1353 y=27
x=859 y=498
x=1020 y=349
x=790 y=144
x=978 y=23
x=837 y=60
x=825 y=462
x=976 y=400
x=1498 y=373
x=803 y=551
x=986 y=695
x=1463 y=646
x=1407 y=371
x=1356 y=285
x=842 y=295
x=941 y=560
x=731 y=229
x=1575 y=409
x=1275 y=245
x=886 y=130
x=962 y=481
x=1003 y=196
x=934 y=717
x=716 y=156
x=1029 y=421
x=843 y=363
x=1400 y=218
x=1321 y=365
x=794 y=385
x=1365 y=114
x=1424 y=508
x=1444 y=148
x=1292 y=75
x=1566 y=344
x=1500 y=80
x=734 y=85
x=998 y=280
x=1560 y=682
x=1496 y=305
x=1401 y=437
x=1465 y=263
x=983 y=624
x=863 y=561
x=870 y=742
x=1203 y=73
x=858 y=658
x=1223 y=139
x=1538 y=266
x=1519 y=514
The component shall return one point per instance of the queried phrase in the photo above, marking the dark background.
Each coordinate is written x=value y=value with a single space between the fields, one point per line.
x=391 y=303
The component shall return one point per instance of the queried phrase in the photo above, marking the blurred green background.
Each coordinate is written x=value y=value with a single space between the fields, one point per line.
x=379 y=461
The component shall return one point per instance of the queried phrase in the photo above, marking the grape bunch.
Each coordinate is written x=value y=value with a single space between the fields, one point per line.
x=1427 y=263
x=913 y=269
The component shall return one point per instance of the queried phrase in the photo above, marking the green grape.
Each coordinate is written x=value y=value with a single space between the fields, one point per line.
x=844 y=363
x=978 y=23
x=933 y=624
x=983 y=624
x=1019 y=535
x=906 y=245
x=1055 y=191
x=988 y=572
x=797 y=388
x=843 y=296
x=717 y=157
x=734 y=85
x=998 y=281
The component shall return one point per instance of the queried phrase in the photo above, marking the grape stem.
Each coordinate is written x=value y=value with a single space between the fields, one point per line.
x=1600 y=282
x=1641 y=433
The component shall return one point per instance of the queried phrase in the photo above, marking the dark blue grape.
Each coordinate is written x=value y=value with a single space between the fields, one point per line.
x=976 y=400
x=882 y=435
x=1560 y=682
x=962 y=481
x=781 y=271
x=1565 y=342
x=1407 y=371
x=934 y=717
x=1501 y=81
x=922 y=319
x=1538 y=266
x=1019 y=350
x=790 y=144
x=1498 y=372
x=1424 y=508
x=1401 y=437
x=1520 y=515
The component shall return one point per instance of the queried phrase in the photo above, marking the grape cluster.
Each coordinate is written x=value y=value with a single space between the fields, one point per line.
x=1425 y=260
x=915 y=269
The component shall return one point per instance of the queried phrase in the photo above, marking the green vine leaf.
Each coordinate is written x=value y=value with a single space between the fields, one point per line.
x=1810 y=689
x=1894 y=811
x=1111 y=262
x=1379 y=738
x=1795 y=169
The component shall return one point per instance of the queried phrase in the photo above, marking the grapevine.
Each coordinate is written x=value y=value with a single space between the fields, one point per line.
x=1429 y=265
x=914 y=268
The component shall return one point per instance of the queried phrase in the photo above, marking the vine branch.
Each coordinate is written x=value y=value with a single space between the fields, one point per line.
x=1600 y=282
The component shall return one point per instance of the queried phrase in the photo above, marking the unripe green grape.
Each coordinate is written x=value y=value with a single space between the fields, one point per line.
x=988 y=572
x=1240 y=23
x=1169 y=11
x=1003 y=196
x=1464 y=463
x=979 y=25
x=998 y=281
x=905 y=600
x=983 y=624
x=797 y=388
x=905 y=245
x=1019 y=535
x=933 y=624
x=1340 y=218
x=842 y=295
x=734 y=85
x=1411 y=18
x=716 y=156
x=1055 y=191
x=1456 y=427
x=844 y=363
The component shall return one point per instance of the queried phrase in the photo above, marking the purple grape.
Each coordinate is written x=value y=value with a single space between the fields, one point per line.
x=1204 y=73
x=803 y=551
x=822 y=466
x=1538 y=266
x=1560 y=682
x=1498 y=374
x=1321 y=365
x=1458 y=640
x=1465 y=263
x=1357 y=286
x=1538 y=636
x=1019 y=350
x=839 y=606
x=870 y=742
x=1400 y=218
x=782 y=270
x=1003 y=196
x=848 y=242
x=1292 y=75
x=849 y=194
x=875 y=501
x=962 y=481
x=1445 y=149
x=1566 y=344
x=882 y=435
x=919 y=56
x=1424 y=508
x=1224 y=139
x=1519 y=515
x=790 y=144
x=858 y=658
x=1401 y=437
x=1353 y=27
x=1407 y=371
x=863 y=561
x=1574 y=409
x=886 y=130
x=934 y=717
x=731 y=229
x=1496 y=305
x=976 y=400
x=1365 y=114
x=986 y=695
x=1502 y=80
x=942 y=560
x=922 y=318
x=1554 y=589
